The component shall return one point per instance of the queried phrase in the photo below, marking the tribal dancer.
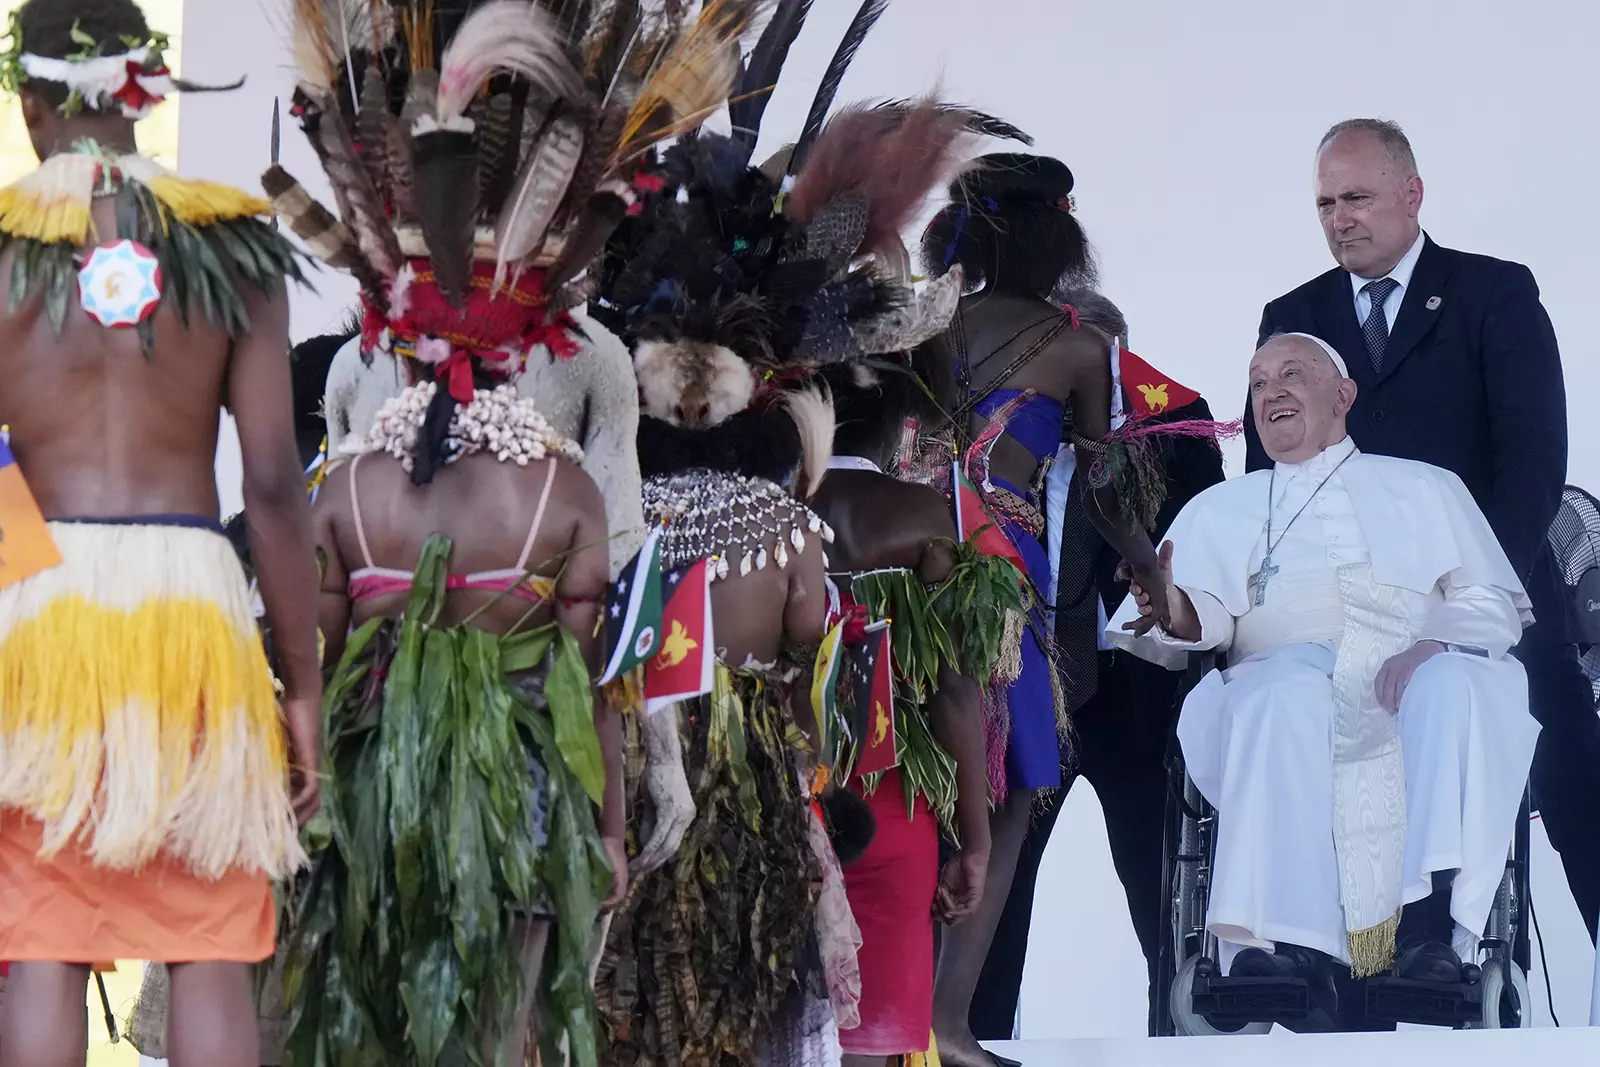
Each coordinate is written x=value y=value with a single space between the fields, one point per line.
x=146 y=794
x=479 y=154
x=146 y=1027
x=898 y=556
x=735 y=286
x=1025 y=372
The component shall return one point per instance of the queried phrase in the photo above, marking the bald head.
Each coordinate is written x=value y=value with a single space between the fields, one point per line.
x=1368 y=195
x=1299 y=397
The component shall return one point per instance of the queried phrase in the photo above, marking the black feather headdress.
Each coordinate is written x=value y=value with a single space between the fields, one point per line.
x=736 y=286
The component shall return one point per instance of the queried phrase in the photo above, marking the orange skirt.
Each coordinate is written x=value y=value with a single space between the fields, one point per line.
x=65 y=909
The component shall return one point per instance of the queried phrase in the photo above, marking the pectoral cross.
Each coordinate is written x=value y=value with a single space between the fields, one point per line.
x=1261 y=577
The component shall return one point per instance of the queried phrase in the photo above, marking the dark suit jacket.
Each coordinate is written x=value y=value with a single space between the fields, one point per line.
x=1472 y=384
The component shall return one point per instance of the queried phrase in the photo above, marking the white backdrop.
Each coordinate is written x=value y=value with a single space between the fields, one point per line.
x=1190 y=128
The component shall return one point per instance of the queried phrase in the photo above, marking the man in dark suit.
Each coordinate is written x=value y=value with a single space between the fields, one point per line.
x=1122 y=731
x=1457 y=365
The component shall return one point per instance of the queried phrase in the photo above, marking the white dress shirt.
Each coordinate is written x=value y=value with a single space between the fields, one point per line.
x=1401 y=274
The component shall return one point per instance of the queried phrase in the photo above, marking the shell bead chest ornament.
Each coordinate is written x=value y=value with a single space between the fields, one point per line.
x=728 y=516
x=498 y=421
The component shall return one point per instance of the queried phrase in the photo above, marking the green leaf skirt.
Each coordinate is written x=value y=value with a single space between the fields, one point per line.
x=463 y=773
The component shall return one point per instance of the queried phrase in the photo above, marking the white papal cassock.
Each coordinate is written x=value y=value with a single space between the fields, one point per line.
x=1332 y=813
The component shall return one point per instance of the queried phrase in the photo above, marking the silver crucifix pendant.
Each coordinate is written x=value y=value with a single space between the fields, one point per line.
x=1261 y=577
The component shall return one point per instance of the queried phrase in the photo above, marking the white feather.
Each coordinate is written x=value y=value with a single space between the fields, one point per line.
x=812 y=411
x=511 y=36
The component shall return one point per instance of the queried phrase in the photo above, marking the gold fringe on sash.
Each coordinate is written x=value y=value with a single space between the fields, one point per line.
x=137 y=714
x=1372 y=950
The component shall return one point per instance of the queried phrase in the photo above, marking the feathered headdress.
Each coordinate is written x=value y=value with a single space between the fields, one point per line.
x=734 y=284
x=482 y=151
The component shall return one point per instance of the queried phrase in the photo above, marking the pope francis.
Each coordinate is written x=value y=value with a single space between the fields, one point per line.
x=1367 y=747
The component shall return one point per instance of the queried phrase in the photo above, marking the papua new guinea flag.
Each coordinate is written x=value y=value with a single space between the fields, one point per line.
x=633 y=611
x=682 y=668
x=872 y=681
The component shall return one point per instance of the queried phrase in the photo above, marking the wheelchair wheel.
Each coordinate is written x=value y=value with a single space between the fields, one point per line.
x=1507 y=1004
x=1180 y=1005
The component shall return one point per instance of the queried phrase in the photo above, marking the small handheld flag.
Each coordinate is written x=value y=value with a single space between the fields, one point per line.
x=825 y=687
x=633 y=611
x=974 y=520
x=872 y=680
x=1149 y=391
x=683 y=667
x=26 y=547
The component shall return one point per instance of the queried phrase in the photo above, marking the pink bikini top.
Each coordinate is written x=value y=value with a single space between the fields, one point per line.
x=371 y=581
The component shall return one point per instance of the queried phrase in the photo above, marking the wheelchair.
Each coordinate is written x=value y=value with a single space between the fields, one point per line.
x=1193 y=997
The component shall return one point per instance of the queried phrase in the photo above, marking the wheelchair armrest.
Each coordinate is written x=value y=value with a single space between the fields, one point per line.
x=1200 y=665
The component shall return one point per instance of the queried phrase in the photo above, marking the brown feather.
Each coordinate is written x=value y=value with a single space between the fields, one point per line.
x=397 y=159
x=328 y=238
x=690 y=82
x=540 y=191
x=446 y=163
x=495 y=165
x=370 y=125
x=359 y=204
x=599 y=219
x=895 y=159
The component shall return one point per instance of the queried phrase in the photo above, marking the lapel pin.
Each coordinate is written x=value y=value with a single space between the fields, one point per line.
x=1434 y=302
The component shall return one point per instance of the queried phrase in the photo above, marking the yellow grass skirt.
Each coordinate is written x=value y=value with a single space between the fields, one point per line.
x=137 y=714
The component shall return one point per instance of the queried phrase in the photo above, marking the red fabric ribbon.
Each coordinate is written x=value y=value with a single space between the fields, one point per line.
x=132 y=95
x=556 y=335
x=456 y=373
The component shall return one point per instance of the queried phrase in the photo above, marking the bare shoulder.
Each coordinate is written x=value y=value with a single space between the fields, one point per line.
x=1082 y=346
x=924 y=511
x=574 y=486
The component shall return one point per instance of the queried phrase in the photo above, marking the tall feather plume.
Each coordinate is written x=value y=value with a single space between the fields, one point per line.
x=978 y=122
x=540 y=191
x=866 y=18
x=370 y=124
x=892 y=158
x=496 y=168
x=691 y=81
x=398 y=164
x=511 y=36
x=811 y=409
x=325 y=35
x=316 y=55
x=444 y=184
x=606 y=41
x=359 y=202
x=328 y=238
x=637 y=50
x=754 y=88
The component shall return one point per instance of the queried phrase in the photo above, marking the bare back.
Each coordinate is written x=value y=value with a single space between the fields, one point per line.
x=880 y=522
x=1073 y=367
x=755 y=616
x=102 y=430
x=487 y=509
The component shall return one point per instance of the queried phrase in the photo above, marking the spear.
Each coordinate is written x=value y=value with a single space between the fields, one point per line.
x=277 y=141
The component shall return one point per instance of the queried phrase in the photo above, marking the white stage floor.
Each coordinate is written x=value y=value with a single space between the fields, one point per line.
x=1474 y=1048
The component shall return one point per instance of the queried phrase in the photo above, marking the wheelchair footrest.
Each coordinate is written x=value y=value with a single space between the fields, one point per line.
x=1251 y=999
x=1406 y=1000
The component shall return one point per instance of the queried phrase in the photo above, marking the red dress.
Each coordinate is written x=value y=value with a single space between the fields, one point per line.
x=891 y=890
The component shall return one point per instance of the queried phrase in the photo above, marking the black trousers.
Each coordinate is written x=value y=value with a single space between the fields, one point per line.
x=1122 y=738
x=1566 y=768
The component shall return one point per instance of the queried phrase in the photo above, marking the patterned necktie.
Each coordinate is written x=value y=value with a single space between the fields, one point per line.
x=1376 y=328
